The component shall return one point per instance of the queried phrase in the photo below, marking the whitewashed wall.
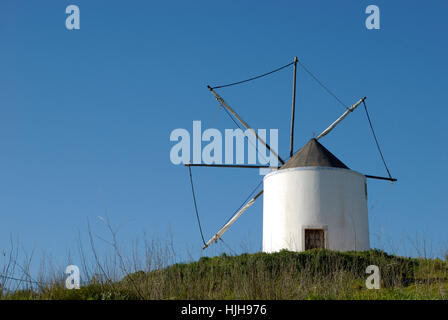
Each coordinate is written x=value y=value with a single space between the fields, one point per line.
x=333 y=199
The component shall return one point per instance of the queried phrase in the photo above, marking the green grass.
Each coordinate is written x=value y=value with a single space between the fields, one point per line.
x=314 y=274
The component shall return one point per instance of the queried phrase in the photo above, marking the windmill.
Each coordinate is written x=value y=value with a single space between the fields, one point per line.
x=311 y=200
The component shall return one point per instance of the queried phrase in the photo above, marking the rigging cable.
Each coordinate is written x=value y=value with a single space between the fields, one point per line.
x=231 y=117
x=380 y=197
x=254 y=78
x=244 y=202
x=248 y=139
x=376 y=140
x=280 y=68
x=192 y=185
x=214 y=116
x=195 y=205
x=321 y=84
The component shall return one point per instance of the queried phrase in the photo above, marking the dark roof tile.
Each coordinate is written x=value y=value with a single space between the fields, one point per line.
x=313 y=154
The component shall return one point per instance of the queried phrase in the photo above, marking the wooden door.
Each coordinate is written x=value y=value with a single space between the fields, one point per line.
x=314 y=238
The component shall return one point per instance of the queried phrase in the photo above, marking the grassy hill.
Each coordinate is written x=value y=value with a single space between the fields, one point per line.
x=314 y=274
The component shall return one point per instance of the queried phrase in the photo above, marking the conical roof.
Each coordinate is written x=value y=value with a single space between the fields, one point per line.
x=313 y=154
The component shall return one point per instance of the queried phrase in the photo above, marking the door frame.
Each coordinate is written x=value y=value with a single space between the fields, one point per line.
x=315 y=227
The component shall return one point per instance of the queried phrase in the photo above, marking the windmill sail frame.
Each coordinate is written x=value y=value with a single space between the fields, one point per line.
x=223 y=103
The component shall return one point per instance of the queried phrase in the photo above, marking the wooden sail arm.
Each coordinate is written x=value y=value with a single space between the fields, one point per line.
x=334 y=124
x=244 y=123
x=232 y=220
x=380 y=178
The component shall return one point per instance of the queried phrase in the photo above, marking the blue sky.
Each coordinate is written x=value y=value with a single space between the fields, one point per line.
x=86 y=115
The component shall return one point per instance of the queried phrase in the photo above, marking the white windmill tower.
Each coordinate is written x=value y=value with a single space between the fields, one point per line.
x=313 y=200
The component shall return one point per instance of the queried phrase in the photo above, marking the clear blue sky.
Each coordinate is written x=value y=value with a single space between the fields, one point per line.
x=86 y=115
